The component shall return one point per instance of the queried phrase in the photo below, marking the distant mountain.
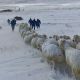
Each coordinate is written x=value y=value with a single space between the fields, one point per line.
x=38 y=1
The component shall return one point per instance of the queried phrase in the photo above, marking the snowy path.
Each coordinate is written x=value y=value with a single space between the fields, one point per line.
x=19 y=61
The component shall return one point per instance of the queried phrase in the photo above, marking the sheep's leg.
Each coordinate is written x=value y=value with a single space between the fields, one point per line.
x=76 y=73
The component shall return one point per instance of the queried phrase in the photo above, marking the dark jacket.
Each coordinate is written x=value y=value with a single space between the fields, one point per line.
x=13 y=22
x=38 y=22
x=34 y=23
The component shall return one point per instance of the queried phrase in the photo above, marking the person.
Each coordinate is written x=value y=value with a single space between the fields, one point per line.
x=13 y=23
x=33 y=24
x=30 y=23
x=8 y=21
x=38 y=22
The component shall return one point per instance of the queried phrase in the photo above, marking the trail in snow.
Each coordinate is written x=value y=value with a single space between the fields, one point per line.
x=17 y=60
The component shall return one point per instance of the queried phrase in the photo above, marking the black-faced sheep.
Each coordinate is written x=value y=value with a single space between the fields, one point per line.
x=76 y=38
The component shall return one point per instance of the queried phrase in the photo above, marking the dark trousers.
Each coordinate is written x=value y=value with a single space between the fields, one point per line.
x=13 y=26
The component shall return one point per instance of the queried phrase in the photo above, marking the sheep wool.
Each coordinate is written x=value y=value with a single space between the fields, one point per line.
x=78 y=46
x=53 y=52
x=33 y=42
x=28 y=38
x=73 y=60
x=27 y=33
x=51 y=41
x=39 y=42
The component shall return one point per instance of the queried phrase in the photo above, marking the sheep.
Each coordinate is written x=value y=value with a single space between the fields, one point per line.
x=50 y=41
x=76 y=38
x=27 y=33
x=72 y=56
x=73 y=60
x=78 y=46
x=53 y=55
x=33 y=42
x=65 y=43
x=42 y=36
x=22 y=31
x=29 y=37
x=24 y=26
x=65 y=37
x=56 y=37
x=39 y=42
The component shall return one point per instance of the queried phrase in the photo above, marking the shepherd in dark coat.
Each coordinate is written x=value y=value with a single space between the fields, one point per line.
x=33 y=23
x=38 y=22
x=13 y=23
x=8 y=21
x=30 y=22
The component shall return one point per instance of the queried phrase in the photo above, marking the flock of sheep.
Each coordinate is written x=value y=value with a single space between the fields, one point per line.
x=55 y=49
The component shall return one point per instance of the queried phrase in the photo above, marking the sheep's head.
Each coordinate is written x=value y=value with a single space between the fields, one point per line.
x=63 y=44
x=56 y=37
x=50 y=37
x=76 y=38
x=35 y=34
x=42 y=36
x=65 y=37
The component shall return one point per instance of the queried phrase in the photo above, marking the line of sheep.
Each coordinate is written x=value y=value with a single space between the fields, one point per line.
x=56 y=49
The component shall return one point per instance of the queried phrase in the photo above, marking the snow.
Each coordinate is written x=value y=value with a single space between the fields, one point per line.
x=39 y=1
x=19 y=61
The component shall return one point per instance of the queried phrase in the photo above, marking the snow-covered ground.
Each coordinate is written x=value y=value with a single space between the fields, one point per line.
x=19 y=61
x=39 y=1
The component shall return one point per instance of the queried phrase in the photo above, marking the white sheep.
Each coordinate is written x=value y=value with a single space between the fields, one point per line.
x=73 y=60
x=29 y=37
x=50 y=41
x=52 y=53
x=78 y=46
x=24 y=26
x=33 y=42
x=22 y=32
x=72 y=57
x=66 y=43
x=39 y=42
x=27 y=33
